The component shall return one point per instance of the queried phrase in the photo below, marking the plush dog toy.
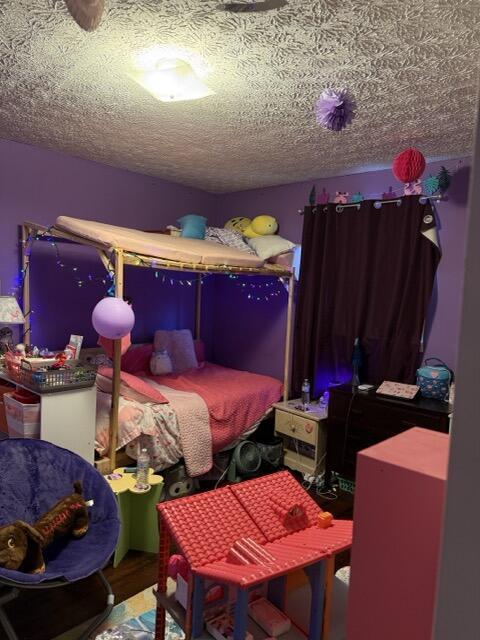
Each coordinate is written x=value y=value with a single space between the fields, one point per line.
x=22 y=544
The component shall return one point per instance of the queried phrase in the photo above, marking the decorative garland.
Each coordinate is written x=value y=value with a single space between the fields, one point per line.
x=254 y=291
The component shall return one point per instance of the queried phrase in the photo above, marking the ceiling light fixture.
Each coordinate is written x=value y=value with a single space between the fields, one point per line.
x=172 y=80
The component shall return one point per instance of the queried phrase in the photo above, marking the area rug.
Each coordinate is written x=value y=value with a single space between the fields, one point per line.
x=142 y=628
x=134 y=619
x=138 y=606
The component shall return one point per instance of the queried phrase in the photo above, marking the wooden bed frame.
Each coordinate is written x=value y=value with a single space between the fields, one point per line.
x=114 y=260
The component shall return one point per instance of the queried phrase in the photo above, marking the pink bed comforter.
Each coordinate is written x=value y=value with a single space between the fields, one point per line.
x=236 y=400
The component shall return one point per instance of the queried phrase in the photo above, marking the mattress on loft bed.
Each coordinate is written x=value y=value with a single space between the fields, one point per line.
x=158 y=245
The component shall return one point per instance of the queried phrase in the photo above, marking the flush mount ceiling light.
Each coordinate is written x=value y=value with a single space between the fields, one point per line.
x=252 y=6
x=172 y=80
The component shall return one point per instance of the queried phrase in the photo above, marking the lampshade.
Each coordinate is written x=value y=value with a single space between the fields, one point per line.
x=172 y=80
x=10 y=312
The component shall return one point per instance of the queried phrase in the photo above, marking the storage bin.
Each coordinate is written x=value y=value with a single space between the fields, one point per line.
x=3 y=417
x=23 y=420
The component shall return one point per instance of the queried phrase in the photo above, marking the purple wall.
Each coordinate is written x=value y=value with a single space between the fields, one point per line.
x=39 y=185
x=257 y=329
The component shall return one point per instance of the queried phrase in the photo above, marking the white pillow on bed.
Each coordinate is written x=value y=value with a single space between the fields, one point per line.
x=179 y=345
x=268 y=246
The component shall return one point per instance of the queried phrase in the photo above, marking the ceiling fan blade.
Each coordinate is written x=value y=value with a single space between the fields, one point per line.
x=251 y=7
x=86 y=13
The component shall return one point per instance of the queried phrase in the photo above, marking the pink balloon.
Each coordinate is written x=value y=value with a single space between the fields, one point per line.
x=113 y=318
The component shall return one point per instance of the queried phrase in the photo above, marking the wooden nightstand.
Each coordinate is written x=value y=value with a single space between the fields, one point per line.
x=304 y=436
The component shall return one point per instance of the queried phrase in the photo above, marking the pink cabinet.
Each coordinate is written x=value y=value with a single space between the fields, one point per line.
x=399 y=502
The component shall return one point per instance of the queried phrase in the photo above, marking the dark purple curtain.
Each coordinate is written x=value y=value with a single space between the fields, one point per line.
x=364 y=273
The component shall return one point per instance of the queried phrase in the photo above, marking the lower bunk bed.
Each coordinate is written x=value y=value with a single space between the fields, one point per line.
x=191 y=415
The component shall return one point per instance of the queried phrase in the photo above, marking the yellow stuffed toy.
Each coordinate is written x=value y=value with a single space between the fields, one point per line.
x=239 y=224
x=261 y=226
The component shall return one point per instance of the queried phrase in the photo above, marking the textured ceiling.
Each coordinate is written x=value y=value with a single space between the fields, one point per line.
x=412 y=66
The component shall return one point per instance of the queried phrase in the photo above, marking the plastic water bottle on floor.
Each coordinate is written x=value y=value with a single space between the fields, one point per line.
x=305 y=394
x=143 y=466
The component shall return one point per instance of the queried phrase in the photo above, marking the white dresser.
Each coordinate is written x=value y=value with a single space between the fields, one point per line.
x=67 y=418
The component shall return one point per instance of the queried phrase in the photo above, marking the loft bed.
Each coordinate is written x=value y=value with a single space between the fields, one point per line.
x=118 y=247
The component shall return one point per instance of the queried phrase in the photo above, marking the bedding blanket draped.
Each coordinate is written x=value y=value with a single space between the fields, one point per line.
x=236 y=400
x=194 y=427
x=209 y=408
x=185 y=418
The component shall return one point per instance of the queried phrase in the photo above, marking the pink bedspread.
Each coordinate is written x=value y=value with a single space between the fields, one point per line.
x=235 y=399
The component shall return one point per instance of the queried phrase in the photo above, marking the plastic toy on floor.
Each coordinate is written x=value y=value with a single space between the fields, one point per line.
x=247 y=538
x=178 y=483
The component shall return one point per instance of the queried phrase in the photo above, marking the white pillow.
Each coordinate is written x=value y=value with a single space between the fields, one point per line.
x=160 y=363
x=268 y=246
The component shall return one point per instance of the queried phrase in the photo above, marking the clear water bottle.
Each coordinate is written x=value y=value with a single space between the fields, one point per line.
x=305 y=394
x=143 y=466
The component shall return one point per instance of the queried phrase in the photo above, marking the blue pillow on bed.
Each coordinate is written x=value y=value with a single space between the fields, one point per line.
x=193 y=226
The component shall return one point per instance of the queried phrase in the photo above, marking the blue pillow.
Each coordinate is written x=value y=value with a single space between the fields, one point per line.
x=193 y=226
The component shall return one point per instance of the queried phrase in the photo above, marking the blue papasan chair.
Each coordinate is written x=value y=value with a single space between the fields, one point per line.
x=34 y=475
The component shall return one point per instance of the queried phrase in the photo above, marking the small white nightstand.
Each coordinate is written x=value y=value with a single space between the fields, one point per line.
x=304 y=436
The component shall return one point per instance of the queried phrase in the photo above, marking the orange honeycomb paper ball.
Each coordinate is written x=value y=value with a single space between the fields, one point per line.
x=409 y=165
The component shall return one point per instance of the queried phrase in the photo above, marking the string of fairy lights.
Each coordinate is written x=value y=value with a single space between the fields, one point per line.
x=256 y=291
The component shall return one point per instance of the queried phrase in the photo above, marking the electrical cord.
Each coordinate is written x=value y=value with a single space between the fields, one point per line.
x=347 y=425
x=314 y=479
x=222 y=476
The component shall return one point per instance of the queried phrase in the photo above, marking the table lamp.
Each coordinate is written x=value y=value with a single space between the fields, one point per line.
x=10 y=313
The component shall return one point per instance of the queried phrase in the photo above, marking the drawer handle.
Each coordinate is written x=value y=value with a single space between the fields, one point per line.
x=292 y=428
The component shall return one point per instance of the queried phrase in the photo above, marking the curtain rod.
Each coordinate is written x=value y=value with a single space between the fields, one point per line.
x=378 y=203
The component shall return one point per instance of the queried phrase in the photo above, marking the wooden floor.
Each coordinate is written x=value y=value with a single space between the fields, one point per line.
x=45 y=614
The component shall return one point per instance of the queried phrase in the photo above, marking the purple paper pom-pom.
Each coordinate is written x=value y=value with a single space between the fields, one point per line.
x=335 y=109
